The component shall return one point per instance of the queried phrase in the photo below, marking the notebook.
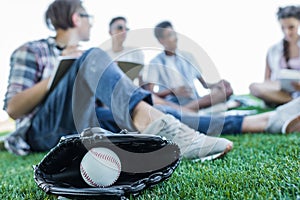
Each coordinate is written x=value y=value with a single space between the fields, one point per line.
x=286 y=77
x=131 y=69
x=64 y=65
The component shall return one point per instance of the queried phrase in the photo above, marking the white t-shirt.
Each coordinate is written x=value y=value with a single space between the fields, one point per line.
x=170 y=72
x=128 y=54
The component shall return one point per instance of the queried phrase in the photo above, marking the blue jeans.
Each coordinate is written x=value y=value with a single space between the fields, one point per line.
x=210 y=125
x=70 y=107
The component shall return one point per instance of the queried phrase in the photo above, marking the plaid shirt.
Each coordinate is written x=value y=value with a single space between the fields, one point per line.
x=30 y=63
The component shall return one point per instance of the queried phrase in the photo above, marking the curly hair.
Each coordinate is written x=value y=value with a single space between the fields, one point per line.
x=283 y=13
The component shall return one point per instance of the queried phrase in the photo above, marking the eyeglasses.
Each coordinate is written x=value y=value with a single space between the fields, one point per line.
x=121 y=28
x=90 y=17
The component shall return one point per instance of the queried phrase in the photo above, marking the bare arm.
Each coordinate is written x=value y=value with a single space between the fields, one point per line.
x=267 y=72
x=180 y=91
x=296 y=85
x=207 y=85
x=160 y=101
x=162 y=94
x=204 y=84
x=25 y=101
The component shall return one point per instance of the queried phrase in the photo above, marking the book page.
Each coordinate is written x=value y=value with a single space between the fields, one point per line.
x=286 y=77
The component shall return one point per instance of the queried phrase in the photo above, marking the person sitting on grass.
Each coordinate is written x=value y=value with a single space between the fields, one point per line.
x=210 y=125
x=43 y=117
x=118 y=32
x=173 y=71
x=283 y=55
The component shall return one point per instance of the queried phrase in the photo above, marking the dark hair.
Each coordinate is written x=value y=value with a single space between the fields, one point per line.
x=288 y=11
x=116 y=19
x=59 y=14
x=159 y=28
x=283 y=13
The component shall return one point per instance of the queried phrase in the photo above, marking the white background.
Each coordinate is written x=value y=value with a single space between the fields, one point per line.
x=235 y=34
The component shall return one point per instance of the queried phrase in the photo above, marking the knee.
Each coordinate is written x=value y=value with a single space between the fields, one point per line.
x=226 y=86
x=255 y=89
x=228 y=92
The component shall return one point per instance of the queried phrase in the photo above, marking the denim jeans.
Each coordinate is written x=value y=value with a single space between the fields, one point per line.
x=70 y=107
x=212 y=125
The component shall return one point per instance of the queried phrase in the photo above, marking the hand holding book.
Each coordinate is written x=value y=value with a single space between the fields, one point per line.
x=296 y=85
x=289 y=80
x=65 y=62
x=69 y=54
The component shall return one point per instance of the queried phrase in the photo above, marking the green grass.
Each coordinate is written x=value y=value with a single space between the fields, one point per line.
x=4 y=133
x=260 y=166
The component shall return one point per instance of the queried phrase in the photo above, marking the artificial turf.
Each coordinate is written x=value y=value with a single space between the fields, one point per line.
x=260 y=166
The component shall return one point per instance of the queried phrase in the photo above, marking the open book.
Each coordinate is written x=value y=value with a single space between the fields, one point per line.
x=286 y=77
x=64 y=64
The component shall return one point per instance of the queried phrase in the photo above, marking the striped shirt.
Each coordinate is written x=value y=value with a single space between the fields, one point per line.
x=29 y=64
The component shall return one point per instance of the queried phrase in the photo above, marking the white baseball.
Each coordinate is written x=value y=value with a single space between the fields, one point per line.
x=100 y=167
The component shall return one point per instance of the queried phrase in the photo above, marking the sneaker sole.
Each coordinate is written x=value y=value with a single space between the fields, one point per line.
x=292 y=125
x=215 y=156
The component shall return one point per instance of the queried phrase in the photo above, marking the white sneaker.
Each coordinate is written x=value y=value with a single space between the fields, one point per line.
x=292 y=125
x=192 y=144
x=282 y=114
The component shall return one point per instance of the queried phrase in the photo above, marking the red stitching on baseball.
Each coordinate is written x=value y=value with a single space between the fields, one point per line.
x=87 y=177
x=108 y=158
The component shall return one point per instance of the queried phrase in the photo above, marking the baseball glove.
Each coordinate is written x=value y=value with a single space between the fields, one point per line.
x=146 y=160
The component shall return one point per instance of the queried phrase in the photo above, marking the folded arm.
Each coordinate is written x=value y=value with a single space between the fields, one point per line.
x=24 y=102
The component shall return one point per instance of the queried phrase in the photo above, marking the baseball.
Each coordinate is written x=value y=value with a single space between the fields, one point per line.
x=100 y=167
